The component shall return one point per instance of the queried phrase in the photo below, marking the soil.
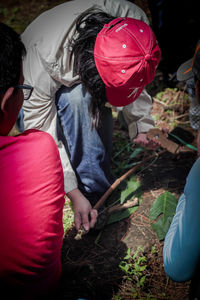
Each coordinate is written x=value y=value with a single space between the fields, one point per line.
x=91 y=265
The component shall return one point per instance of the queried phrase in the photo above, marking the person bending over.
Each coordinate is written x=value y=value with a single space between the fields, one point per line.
x=83 y=56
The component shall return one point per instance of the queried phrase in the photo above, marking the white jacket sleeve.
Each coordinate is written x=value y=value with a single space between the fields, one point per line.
x=138 y=115
x=40 y=110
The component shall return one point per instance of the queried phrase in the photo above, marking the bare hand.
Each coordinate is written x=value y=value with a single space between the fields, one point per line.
x=84 y=215
x=142 y=141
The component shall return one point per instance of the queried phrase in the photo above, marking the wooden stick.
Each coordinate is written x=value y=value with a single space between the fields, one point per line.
x=128 y=204
x=82 y=231
x=159 y=102
x=181 y=116
x=124 y=176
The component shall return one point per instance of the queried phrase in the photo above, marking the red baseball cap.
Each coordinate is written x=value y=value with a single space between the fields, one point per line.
x=126 y=55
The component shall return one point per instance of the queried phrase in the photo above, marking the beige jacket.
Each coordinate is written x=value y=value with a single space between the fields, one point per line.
x=46 y=67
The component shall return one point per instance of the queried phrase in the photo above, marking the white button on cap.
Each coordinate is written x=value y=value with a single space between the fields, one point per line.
x=147 y=57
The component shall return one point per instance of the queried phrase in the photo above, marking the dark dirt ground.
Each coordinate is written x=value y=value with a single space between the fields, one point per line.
x=91 y=265
x=94 y=260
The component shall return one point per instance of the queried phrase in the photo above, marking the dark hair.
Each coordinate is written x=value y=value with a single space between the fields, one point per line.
x=88 y=26
x=11 y=51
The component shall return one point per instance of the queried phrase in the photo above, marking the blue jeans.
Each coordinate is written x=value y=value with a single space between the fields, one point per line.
x=181 y=251
x=89 y=149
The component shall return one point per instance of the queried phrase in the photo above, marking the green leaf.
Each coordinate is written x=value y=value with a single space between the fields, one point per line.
x=163 y=210
x=128 y=255
x=132 y=190
x=132 y=186
x=118 y=216
x=135 y=152
x=142 y=280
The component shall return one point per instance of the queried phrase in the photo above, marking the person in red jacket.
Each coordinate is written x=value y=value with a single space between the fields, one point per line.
x=31 y=189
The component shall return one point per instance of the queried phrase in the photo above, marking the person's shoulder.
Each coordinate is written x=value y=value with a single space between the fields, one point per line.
x=41 y=147
x=40 y=139
x=35 y=133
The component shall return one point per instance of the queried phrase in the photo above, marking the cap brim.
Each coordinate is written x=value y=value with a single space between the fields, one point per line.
x=121 y=97
x=185 y=72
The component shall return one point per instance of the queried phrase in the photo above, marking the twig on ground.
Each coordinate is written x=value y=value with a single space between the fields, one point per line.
x=181 y=116
x=123 y=177
x=128 y=204
x=159 y=102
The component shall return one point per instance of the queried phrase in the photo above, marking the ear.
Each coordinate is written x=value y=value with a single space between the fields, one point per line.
x=5 y=99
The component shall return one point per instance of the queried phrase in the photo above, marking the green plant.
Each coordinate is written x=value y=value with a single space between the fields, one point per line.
x=117 y=298
x=159 y=95
x=128 y=190
x=4 y=11
x=162 y=212
x=134 y=266
x=136 y=281
x=156 y=117
x=154 y=250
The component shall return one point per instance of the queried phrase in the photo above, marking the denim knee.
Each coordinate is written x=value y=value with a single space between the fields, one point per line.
x=74 y=96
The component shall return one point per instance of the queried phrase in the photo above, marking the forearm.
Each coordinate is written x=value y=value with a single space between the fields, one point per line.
x=75 y=196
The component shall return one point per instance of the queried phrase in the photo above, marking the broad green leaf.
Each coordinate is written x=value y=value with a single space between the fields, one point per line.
x=131 y=191
x=162 y=211
x=120 y=215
